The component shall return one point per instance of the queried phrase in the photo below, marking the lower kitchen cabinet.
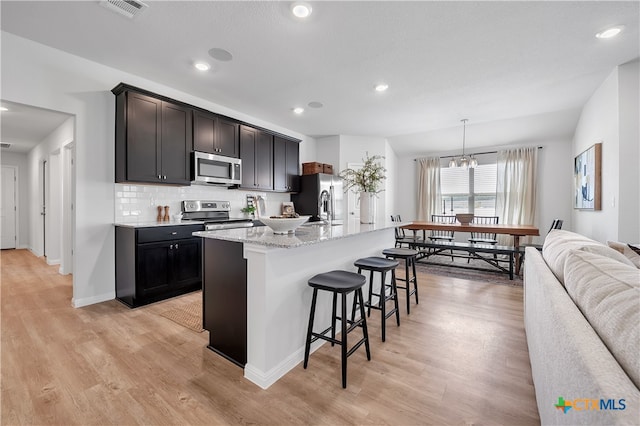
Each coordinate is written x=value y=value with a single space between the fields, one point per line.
x=157 y=263
x=224 y=299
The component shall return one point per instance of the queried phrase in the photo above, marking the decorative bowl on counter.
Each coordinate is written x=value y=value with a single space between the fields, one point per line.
x=283 y=225
x=464 y=218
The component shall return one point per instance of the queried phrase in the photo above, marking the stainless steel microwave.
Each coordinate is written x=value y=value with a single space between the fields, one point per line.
x=215 y=169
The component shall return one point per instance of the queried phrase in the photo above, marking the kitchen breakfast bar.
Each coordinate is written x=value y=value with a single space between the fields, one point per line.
x=256 y=299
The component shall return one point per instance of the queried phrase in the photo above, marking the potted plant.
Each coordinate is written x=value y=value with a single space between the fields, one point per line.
x=366 y=180
x=249 y=210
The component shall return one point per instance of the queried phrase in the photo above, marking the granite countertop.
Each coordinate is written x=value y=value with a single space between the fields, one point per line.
x=305 y=235
x=151 y=224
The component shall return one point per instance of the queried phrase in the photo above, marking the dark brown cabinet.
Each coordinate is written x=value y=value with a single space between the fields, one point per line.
x=256 y=152
x=156 y=263
x=155 y=136
x=224 y=299
x=286 y=153
x=153 y=139
x=215 y=134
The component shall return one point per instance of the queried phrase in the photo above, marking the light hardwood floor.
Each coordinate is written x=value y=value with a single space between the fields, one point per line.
x=459 y=358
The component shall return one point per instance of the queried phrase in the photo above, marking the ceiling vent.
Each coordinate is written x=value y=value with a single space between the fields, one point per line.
x=5 y=145
x=128 y=8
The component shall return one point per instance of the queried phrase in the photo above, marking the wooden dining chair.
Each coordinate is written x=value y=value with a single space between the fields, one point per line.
x=401 y=236
x=438 y=235
x=555 y=224
x=484 y=237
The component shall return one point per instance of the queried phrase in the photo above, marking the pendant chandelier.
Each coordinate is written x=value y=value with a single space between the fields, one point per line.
x=465 y=162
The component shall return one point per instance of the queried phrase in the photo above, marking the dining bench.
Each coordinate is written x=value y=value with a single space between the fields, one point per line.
x=427 y=249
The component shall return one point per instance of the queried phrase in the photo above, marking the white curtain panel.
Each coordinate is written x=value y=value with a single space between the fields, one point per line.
x=516 y=188
x=428 y=187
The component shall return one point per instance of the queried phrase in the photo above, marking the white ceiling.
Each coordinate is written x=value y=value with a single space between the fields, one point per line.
x=25 y=126
x=519 y=71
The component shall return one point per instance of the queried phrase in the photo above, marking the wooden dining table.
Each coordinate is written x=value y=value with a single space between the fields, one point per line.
x=516 y=231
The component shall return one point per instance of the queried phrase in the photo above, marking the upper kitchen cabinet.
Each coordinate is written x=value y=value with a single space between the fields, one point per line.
x=215 y=134
x=153 y=138
x=256 y=152
x=286 y=154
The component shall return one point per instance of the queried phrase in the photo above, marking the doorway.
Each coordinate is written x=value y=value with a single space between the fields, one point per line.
x=9 y=209
x=43 y=209
x=68 y=216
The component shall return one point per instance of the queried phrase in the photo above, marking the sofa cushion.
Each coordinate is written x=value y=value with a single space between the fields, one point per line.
x=630 y=251
x=607 y=292
x=559 y=242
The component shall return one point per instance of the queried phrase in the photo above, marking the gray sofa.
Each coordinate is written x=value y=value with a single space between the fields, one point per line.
x=582 y=321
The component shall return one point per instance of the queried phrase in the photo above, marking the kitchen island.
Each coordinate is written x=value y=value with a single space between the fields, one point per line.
x=256 y=299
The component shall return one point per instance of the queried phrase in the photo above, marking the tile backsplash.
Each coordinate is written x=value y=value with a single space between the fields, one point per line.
x=139 y=203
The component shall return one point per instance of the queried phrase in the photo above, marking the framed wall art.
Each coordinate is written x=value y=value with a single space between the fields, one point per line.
x=587 y=170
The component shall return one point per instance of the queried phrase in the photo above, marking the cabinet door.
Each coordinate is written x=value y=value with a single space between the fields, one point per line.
x=292 y=168
x=248 y=138
x=176 y=143
x=285 y=164
x=264 y=161
x=186 y=262
x=280 y=164
x=153 y=271
x=227 y=138
x=204 y=132
x=143 y=132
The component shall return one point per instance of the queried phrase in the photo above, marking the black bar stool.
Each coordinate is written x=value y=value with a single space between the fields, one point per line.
x=409 y=256
x=342 y=282
x=382 y=265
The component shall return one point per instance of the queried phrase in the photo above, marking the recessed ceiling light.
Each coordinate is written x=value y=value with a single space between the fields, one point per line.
x=220 y=54
x=4 y=109
x=298 y=110
x=315 y=104
x=381 y=87
x=202 y=66
x=610 y=32
x=301 y=9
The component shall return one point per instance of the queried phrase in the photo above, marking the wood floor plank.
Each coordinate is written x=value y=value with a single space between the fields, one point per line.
x=459 y=358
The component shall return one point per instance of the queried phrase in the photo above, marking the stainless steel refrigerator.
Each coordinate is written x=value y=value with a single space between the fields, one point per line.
x=321 y=196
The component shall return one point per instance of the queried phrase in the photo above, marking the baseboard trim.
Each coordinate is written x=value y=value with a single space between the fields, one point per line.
x=86 y=301
x=35 y=252
x=52 y=262
x=266 y=379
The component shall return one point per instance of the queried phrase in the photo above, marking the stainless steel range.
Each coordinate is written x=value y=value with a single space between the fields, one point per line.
x=215 y=214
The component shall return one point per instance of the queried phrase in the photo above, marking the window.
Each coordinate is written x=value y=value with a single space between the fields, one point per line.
x=469 y=191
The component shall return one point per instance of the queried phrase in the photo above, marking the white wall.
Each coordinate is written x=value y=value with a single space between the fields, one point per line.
x=390 y=185
x=340 y=150
x=37 y=75
x=629 y=199
x=22 y=217
x=554 y=183
x=45 y=150
x=610 y=116
x=54 y=209
x=353 y=149
x=328 y=152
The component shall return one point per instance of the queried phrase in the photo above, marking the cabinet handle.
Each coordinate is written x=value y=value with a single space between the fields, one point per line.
x=174 y=233
x=170 y=246
x=164 y=177
x=176 y=246
x=159 y=177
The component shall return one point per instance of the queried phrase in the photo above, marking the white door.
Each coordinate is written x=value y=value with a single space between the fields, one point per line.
x=8 y=208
